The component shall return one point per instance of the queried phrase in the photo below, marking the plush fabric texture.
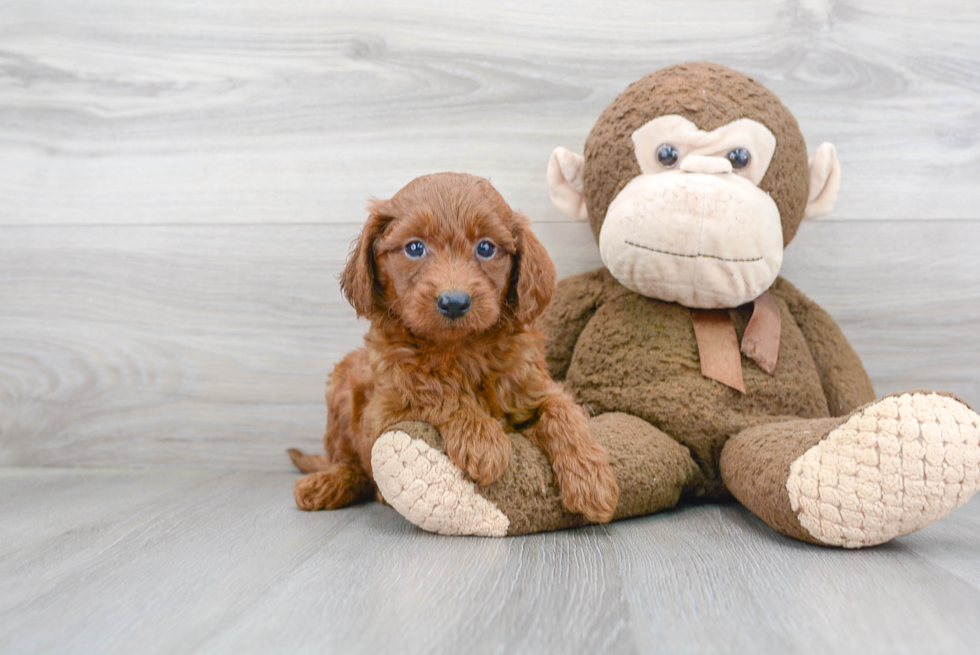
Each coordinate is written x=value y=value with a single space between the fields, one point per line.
x=565 y=183
x=704 y=256
x=710 y=95
x=420 y=482
x=892 y=468
x=618 y=351
x=824 y=181
x=417 y=479
x=889 y=468
x=755 y=466
x=696 y=145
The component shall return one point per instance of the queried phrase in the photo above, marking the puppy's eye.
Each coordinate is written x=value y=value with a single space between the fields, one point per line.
x=415 y=249
x=739 y=157
x=485 y=249
x=667 y=155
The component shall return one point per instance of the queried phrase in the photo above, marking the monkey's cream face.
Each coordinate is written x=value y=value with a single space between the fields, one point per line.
x=694 y=227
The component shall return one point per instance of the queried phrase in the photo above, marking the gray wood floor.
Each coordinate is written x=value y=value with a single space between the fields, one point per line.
x=179 y=183
x=172 y=561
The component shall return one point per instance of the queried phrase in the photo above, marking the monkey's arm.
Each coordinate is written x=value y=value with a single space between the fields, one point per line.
x=845 y=382
x=575 y=302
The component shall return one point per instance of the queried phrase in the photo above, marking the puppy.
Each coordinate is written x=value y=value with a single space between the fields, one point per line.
x=452 y=279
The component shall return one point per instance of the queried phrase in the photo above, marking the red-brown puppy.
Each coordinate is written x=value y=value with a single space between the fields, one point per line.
x=452 y=279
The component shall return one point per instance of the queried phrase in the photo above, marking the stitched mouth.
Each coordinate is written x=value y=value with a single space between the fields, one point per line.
x=679 y=254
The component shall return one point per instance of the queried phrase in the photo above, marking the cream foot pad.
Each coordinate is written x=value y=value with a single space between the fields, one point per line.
x=892 y=468
x=430 y=491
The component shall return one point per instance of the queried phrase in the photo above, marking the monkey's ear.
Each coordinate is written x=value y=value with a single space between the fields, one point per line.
x=565 y=183
x=358 y=282
x=824 y=181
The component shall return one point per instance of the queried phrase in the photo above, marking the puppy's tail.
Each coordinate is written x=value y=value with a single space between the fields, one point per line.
x=308 y=463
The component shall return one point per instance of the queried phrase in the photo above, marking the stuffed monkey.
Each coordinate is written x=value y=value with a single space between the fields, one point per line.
x=707 y=375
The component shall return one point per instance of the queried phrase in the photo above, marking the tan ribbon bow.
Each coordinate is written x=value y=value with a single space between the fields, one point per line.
x=718 y=343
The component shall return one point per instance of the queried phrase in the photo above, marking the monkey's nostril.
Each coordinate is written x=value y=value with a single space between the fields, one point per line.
x=454 y=304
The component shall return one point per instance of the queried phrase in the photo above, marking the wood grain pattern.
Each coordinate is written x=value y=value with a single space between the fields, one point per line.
x=209 y=345
x=134 y=111
x=220 y=562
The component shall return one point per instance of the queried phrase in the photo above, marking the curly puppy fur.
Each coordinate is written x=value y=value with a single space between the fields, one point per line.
x=475 y=376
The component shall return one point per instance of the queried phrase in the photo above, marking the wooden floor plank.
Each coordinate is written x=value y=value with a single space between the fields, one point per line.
x=155 y=570
x=438 y=595
x=134 y=111
x=195 y=561
x=719 y=580
x=951 y=545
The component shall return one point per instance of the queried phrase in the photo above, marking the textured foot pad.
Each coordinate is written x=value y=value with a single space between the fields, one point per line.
x=430 y=491
x=891 y=469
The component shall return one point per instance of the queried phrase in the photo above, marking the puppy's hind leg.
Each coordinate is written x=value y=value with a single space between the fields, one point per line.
x=338 y=486
x=347 y=389
x=337 y=478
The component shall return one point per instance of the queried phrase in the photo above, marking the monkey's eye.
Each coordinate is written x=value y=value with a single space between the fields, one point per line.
x=415 y=249
x=485 y=249
x=739 y=157
x=667 y=155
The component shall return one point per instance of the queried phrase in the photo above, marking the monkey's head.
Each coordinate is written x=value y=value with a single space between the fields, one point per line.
x=694 y=180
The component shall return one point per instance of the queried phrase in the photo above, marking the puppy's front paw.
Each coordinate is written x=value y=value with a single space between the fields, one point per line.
x=484 y=453
x=587 y=484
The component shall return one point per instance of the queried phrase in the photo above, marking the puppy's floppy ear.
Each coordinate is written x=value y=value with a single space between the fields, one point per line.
x=359 y=280
x=535 y=272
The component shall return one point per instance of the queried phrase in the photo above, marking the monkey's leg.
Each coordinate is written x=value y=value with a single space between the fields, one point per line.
x=418 y=480
x=885 y=470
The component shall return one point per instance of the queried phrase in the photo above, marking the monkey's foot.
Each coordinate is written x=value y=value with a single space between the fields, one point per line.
x=418 y=480
x=420 y=483
x=892 y=468
x=888 y=469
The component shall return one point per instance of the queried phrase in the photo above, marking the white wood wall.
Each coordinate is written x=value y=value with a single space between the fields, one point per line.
x=180 y=180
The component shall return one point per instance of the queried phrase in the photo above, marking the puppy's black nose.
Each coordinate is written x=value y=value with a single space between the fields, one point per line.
x=454 y=304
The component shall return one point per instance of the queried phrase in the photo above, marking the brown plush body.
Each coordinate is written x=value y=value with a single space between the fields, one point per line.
x=619 y=351
x=708 y=375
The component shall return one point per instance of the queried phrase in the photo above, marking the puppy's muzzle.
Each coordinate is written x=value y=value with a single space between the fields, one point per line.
x=454 y=304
